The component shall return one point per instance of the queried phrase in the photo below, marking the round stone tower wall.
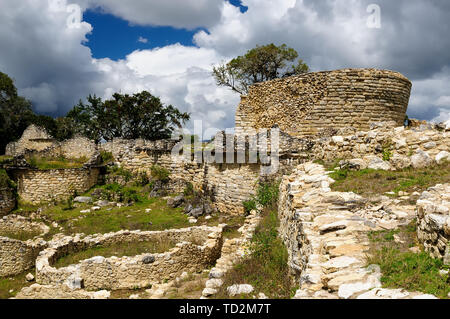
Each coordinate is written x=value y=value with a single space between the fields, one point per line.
x=302 y=105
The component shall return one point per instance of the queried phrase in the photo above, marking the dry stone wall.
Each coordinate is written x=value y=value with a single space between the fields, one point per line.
x=36 y=186
x=196 y=248
x=17 y=256
x=37 y=141
x=7 y=201
x=401 y=147
x=326 y=234
x=433 y=221
x=304 y=104
x=227 y=184
x=33 y=138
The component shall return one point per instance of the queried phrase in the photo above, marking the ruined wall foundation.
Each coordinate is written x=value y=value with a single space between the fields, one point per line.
x=196 y=249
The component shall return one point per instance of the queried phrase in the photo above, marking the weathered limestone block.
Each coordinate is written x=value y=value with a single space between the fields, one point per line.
x=433 y=221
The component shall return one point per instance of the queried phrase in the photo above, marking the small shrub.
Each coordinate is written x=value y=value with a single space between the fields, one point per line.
x=107 y=157
x=119 y=171
x=249 y=205
x=69 y=204
x=130 y=195
x=387 y=155
x=267 y=193
x=142 y=179
x=189 y=190
x=5 y=181
x=160 y=173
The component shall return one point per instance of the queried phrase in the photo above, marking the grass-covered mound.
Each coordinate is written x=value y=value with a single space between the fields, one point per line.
x=46 y=163
x=368 y=181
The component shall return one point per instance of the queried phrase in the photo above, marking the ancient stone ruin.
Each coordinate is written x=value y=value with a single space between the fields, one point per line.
x=354 y=117
x=196 y=248
x=306 y=104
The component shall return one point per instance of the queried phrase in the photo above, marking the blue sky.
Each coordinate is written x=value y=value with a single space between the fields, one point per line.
x=115 y=38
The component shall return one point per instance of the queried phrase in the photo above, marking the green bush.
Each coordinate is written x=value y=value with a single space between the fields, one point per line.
x=160 y=173
x=130 y=195
x=142 y=179
x=115 y=170
x=249 y=205
x=5 y=181
x=267 y=193
x=266 y=196
x=189 y=190
x=107 y=157
x=387 y=154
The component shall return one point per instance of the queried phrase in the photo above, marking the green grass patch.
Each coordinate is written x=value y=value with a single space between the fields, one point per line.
x=384 y=235
x=116 y=249
x=20 y=235
x=14 y=283
x=402 y=268
x=117 y=218
x=368 y=181
x=410 y=271
x=266 y=267
x=44 y=163
x=4 y=159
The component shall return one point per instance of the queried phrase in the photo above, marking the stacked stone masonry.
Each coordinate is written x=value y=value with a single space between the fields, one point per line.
x=433 y=221
x=196 y=248
x=233 y=251
x=37 y=186
x=304 y=104
x=18 y=256
x=326 y=234
x=405 y=147
x=36 y=141
x=7 y=201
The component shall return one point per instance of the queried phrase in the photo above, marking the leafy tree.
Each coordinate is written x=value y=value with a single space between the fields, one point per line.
x=15 y=112
x=140 y=115
x=260 y=64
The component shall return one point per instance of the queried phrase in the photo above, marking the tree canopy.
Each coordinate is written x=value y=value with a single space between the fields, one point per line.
x=140 y=115
x=260 y=64
x=15 y=112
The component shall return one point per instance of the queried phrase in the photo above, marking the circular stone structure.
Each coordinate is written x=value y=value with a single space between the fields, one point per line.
x=303 y=105
x=196 y=249
x=16 y=255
